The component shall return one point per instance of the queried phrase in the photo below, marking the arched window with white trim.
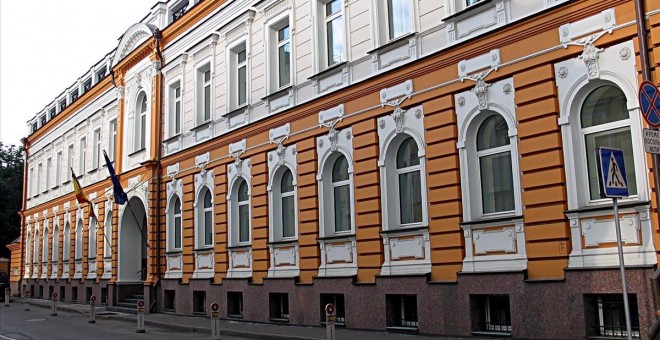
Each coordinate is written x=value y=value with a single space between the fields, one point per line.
x=35 y=247
x=45 y=245
x=107 y=234
x=409 y=182
x=493 y=154
x=93 y=232
x=285 y=206
x=240 y=213
x=174 y=224
x=56 y=243
x=66 y=242
x=205 y=219
x=79 y=240
x=140 y=123
x=28 y=247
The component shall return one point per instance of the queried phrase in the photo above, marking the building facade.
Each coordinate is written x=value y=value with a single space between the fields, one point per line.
x=426 y=166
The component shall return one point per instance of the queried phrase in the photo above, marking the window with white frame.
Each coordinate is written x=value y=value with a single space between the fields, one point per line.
x=32 y=179
x=56 y=243
x=112 y=139
x=336 y=191
x=93 y=231
x=79 y=240
x=66 y=242
x=409 y=182
x=35 y=247
x=203 y=96
x=605 y=122
x=58 y=169
x=281 y=54
x=39 y=174
x=81 y=160
x=140 y=134
x=399 y=18
x=205 y=219
x=96 y=152
x=284 y=192
x=49 y=165
x=175 y=108
x=240 y=213
x=107 y=234
x=333 y=25
x=238 y=74
x=174 y=222
x=28 y=244
x=69 y=162
x=44 y=246
x=493 y=152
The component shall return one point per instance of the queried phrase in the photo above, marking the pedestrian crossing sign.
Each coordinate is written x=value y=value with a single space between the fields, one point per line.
x=611 y=173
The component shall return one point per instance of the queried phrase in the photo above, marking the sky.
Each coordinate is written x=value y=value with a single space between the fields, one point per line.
x=46 y=45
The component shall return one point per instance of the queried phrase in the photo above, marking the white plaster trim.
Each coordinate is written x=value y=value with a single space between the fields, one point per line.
x=481 y=239
x=417 y=245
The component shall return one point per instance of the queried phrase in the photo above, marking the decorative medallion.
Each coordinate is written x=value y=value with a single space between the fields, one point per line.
x=348 y=135
x=563 y=72
x=320 y=143
x=507 y=89
x=381 y=124
x=418 y=113
x=461 y=101
x=624 y=54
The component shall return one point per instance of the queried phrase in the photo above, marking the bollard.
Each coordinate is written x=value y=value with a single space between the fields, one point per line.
x=140 y=317
x=215 y=321
x=92 y=305
x=7 y=295
x=53 y=311
x=330 y=321
x=27 y=300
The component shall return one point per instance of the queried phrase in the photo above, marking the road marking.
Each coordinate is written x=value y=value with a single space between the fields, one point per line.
x=33 y=320
x=6 y=337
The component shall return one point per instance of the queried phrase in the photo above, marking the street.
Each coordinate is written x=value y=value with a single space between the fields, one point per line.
x=15 y=323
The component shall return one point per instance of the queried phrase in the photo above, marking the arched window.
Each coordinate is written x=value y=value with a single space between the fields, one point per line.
x=409 y=182
x=205 y=219
x=243 y=205
x=107 y=235
x=605 y=122
x=79 y=240
x=287 y=204
x=495 y=171
x=341 y=191
x=28 y=250
x=141 y=121
x=56 y=243
x=44 y=247
x=174 y=235
x=66 y=242
x=93 y=230
x=35 y=247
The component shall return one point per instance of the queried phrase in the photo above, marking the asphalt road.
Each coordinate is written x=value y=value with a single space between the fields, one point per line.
x=15 y=323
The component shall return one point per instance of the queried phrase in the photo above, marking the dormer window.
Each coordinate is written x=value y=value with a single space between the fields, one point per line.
x=52 y=112
x=62 y=105
x=43 y=120
x=34 y=127
x=100 y=74
x=74 y=95
x=87 y=85
x=178 y=11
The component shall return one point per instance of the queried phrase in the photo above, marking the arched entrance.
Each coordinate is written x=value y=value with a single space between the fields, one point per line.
x=133 y=242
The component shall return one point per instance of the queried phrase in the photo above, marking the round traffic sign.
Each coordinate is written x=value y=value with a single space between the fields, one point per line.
x=215 y=306
x=649 y=102
x=54 y=295
x=140 y=304
x=93 y=298
x=330 y=309
x=27 y=293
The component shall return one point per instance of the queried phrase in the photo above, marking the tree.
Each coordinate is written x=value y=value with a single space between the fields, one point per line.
x=11 y=194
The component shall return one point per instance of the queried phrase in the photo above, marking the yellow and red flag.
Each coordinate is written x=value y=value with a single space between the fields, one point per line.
x=77 y=190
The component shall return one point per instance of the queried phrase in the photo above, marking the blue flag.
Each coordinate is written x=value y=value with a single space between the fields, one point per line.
x=120 y=195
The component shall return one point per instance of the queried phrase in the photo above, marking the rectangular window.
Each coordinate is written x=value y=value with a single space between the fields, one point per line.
x=401 y=310
x=288 y=216
x=279 y=306
x=204 y=94
x=208 y=227
x=492 y=313
x=606 y=315
x=284 y=55
x=340 y=309
x=58 y=169
x=33 y=189
x=100 y=74
x=334 y=30
x=235 y=304
x=175 y=109
x=169 y=298
x=241 y=74
x=39 y=171
x=52 y=112
x=34 y=127
x=112 y=142
x=43 y=120
x=69 y=162
x=243 y=222
x=74 y=95
x=199 y=302
x=62 y=293
x=49 y=164
x=74 y=294
x=398 y=17
x=62 y=105
x=81 y=159
x=87 y=85
x=96 y=152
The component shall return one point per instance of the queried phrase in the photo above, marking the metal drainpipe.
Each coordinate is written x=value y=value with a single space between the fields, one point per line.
x=24 y=141
x=640 y=14
x=159 y=36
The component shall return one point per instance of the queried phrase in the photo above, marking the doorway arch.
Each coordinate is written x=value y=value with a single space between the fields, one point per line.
x=132 y=266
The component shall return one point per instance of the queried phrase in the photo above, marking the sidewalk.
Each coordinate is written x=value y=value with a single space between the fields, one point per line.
x=228 y=328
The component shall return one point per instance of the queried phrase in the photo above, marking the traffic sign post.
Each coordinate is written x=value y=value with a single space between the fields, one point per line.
x=649 y=102
x=27 y=300
x=215 y=321
x=7 y=295
x=92 y=306
x=140 y=317
x=330 y=321
x=614 y=184
x=53 y=311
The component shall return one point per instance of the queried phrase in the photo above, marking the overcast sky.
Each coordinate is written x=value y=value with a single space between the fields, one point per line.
x=46 y=45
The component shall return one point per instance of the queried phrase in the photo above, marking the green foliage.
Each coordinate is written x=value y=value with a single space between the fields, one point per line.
x=11 y=194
